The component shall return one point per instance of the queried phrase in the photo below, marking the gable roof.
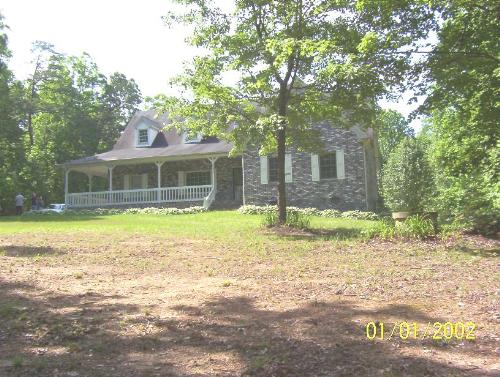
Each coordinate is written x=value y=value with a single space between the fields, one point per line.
x=167 y=143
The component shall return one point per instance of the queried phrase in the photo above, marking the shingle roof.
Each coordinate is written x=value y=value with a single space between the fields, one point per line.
x=167 y=143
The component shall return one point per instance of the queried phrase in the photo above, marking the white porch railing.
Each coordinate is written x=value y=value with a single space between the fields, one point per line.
x=124 y=197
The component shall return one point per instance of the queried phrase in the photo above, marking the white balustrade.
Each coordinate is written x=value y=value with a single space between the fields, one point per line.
x=124 y=197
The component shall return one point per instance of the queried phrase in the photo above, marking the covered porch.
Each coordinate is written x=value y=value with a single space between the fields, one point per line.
x=153 y=182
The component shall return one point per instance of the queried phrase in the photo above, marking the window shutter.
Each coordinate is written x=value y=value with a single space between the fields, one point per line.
x=264 y=177
x=315 y=167
x=288 y=167
x=126 y=182
x=340 y=164
x=145 y=181
x=181 y=175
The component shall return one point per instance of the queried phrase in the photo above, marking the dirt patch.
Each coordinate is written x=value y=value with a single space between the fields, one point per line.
x=98 y=304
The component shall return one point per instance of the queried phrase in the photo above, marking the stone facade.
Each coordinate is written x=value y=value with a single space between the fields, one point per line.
x=348 y=193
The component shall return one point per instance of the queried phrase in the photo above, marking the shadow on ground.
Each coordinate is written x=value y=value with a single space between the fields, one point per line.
x=315 y=234
x=49 y=218
x=477 y=251
x=28 y=251
x=83 y=335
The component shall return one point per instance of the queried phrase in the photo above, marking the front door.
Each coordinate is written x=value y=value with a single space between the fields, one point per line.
x=238 y=184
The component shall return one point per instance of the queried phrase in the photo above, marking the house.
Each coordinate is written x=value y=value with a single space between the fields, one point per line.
x=151 y=165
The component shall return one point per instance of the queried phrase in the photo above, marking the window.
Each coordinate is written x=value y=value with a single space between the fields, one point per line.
x=143 y=137
x=328 y=165
x=273 y=169
x=136 y=182
x=197 y=178
x=192 y=139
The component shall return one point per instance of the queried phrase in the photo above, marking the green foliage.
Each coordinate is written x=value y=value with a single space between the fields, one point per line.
x=462 y=132
x=308 y=212
x=11 y=135
x=66 y=109
x=117 y=211
x=360 y=215
x=294 y=219
x=414 y=227
x=468 y=185
x=391 y=128
x=294 y=65
x=407 y=180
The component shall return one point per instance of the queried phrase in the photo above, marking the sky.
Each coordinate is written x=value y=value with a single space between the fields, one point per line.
x=121 y=36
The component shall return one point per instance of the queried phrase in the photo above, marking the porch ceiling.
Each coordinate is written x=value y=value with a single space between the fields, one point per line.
x=94 y=170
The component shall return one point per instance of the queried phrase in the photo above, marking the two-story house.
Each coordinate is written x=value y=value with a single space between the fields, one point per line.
x=151 y=165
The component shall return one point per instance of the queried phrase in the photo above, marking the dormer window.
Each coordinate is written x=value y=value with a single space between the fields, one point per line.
x=192 y=139
x=142 y=137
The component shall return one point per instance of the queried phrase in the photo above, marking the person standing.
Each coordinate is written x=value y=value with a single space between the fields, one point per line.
x=19 y=204
x=33 y=201
x=39 y=203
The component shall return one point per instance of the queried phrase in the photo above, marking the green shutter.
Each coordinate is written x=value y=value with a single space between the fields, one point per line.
x=264 y=175
x=315 y=167
x=340 y=164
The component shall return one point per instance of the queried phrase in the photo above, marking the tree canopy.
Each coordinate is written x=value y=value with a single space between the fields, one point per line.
x=294 y=63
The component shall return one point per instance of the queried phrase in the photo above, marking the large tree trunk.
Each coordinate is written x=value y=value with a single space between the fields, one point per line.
x=281 y=138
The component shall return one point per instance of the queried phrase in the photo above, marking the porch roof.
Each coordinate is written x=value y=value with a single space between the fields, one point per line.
x=179 y=150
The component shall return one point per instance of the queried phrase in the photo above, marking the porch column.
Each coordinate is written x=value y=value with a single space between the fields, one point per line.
x=158 y=166
x=66 y=184
x=90 y=181
x=214 y=182
x=110 y=170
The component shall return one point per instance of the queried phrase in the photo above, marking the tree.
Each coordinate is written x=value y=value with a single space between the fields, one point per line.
x=79 y=113
x=463 y=83
x=42 y=51
x=392 y=128
x=295 y=63
x=407 y=181
x=120 y=100
x=11 y=146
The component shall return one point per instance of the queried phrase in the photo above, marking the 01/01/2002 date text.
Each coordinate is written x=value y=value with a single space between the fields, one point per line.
x=407 y=330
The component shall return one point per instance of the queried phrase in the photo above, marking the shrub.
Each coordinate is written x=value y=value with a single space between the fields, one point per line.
x=407 y=178
x=309 y=211
x=256 y=210
x=115 y=211
x=360 y=215
x=270 y=218
x=298 y=220
x=330 y=213
x=294 y=219
x=414 y=227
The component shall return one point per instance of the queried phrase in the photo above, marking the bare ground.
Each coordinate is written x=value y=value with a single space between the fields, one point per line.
x=93 y=304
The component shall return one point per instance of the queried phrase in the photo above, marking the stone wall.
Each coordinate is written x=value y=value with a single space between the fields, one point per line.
x=343 y=194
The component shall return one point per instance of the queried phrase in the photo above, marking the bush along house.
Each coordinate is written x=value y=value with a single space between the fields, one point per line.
x=151 y=165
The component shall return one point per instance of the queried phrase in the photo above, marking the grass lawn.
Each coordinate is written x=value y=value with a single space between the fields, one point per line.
x=215 y=294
